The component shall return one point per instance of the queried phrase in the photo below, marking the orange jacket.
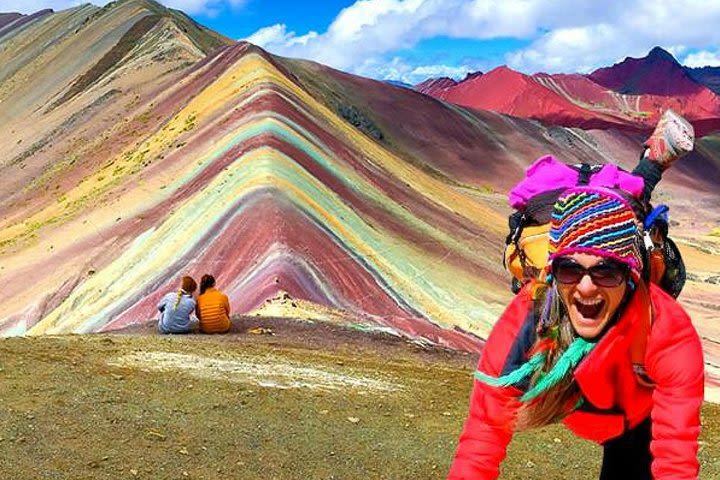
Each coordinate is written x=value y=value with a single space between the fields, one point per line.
x=213 y=310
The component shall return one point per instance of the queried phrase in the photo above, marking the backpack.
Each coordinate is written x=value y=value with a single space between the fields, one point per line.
x=526 y=245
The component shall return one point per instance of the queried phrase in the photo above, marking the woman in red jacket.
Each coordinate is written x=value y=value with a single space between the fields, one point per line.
x=617 y=360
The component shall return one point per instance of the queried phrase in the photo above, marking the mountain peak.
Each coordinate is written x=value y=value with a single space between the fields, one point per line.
x=149 y=4
x=658 y=73
x=658 y=53
x=431 y=86
x=502 y=68
x=505 y=72
x=471 y=75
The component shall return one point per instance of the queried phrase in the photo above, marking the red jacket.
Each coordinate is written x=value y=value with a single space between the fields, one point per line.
x=673 y=360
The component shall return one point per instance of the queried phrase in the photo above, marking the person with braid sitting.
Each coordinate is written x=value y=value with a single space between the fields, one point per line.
x=177 y=309
x=593 y=345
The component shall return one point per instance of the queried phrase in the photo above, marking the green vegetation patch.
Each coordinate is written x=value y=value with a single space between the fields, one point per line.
x=334 y=95
x=360 y=121
x=190 y=122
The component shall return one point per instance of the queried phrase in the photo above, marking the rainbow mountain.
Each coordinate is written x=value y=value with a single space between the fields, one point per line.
x=140 y=147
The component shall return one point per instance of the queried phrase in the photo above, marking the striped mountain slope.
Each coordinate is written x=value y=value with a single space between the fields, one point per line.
x=305 y=191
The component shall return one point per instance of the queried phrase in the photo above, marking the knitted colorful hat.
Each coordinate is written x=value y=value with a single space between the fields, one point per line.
x=597 y=221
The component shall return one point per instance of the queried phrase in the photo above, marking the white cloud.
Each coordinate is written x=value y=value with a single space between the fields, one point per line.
x=399 y=69
x=673 y=25
x=368 y=28
x=676 y=50
x=277 y=37
x=566 y=35
x=425 y=71
x=303 y=40
x=209 y=8
x=193 y=7
x=576 y=49
x=704 y=58
x=268 y=37
x=377 y=67
x=372 y=27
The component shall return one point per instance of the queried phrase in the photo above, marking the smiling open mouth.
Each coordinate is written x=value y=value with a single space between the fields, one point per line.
x=589 y=309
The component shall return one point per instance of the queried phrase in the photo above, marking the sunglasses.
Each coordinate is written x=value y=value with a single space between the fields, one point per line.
x=609 y=273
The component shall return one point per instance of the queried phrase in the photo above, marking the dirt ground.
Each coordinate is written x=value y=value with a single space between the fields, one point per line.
x=309 y=401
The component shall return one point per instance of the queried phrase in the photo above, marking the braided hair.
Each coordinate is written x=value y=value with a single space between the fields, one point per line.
x=552 y=392
x=187 y=286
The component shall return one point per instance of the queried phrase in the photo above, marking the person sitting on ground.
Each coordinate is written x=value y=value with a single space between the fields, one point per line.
x=213 y=307
x=592 y=345
x=177 y=309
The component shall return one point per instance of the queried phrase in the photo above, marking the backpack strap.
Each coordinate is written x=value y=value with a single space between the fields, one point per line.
x=638 y=347
x=516 y=222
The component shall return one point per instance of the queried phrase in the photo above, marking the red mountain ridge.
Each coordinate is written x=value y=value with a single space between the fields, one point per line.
x=630 y=95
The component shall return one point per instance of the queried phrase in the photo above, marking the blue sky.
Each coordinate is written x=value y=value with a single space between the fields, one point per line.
x=410 y=40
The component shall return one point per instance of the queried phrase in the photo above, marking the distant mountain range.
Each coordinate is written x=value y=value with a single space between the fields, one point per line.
x=398 y=83
x=14 y=21
x=630 y=95
x=139 y=146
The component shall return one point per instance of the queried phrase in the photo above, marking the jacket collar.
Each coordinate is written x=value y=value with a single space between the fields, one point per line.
x=597 y=373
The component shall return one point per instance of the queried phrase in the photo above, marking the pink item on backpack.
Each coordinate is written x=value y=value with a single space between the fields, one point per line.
x=547 y=173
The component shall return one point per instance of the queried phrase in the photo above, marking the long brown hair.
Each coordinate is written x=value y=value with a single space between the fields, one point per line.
x=207 y=281
x=555 y=334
